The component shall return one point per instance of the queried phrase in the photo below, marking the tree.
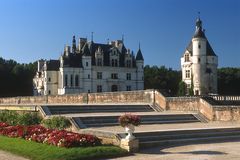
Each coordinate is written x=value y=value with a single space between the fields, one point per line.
x=182 y=89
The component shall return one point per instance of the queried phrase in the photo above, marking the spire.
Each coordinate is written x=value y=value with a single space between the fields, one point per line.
x=199 y=32
x=122 y=38
x=74 y=45
x=92 y=36
x=139 y=55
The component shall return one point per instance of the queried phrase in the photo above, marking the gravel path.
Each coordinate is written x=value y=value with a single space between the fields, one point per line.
x=9 y=156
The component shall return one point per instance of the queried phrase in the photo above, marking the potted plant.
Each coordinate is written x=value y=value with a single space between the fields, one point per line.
x=129 y=121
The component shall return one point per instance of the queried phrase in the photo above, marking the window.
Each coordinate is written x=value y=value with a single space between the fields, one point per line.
x=199 y=60
x=66 y=80
x=49 y=79
x=188 y=74
x=99 y=75
x=128 y=88
x=112 y=62
x=76 y=81
x=199 y=46
x=114 y=76
x=188 y=85
x=114 y=88
x=99 y=61
x=128 y=76
x=89 y=76
x=71 y=81
x=99 y=88
x=187 y=58
x=128 y=63
x=49 y=91
x=86 y=63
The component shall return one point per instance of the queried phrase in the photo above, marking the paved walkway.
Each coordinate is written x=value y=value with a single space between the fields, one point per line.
x=214 y=151
x=9 y=156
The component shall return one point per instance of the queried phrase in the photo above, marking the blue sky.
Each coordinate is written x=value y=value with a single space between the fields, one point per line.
x=35 y=29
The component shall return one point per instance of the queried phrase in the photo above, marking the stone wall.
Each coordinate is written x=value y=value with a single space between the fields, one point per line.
x=182 y=103
x=160 y=100
x=226 y=113
x=145 y=96
x=121 y=97
x=206 y=109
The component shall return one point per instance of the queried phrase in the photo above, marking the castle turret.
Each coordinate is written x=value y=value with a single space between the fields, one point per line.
x=140 y=69
x=199 y=64
x=87 y=66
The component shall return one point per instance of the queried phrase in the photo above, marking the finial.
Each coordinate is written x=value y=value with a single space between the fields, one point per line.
x=122 y=37
x=92 y=36
x=139 y=46
x=107 y=40
x=199 y=14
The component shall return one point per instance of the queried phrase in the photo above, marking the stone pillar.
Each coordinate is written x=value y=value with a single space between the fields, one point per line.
x=130 y=145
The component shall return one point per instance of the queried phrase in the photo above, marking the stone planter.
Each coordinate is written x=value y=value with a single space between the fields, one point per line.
x=129 y=130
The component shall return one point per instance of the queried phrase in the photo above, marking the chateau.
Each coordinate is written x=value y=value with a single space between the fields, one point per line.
x=199 y=64
x=91 y=67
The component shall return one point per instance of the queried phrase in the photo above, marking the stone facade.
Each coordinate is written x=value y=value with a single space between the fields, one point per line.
x=199 y=64
x=89 y=68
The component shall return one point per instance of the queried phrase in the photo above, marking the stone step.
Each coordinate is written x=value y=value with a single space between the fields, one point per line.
x=148 y=139
x=96 y=108
x=100 y=121
x=196 y=140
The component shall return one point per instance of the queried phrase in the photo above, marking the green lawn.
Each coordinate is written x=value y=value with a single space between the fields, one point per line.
x=37 y=151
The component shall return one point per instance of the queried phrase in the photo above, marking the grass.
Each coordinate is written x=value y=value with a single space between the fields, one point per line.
x=38 y=151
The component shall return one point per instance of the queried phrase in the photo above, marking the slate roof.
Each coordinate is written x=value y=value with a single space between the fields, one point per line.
x=53 y=65
x=139 y=55
x=89 y=49
x=199 y=33
x=210 y=51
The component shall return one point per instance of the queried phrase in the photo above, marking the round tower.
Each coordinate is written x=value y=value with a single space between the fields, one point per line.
x=199 y=50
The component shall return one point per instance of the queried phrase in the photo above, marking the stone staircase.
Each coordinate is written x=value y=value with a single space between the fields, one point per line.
x=180 y=137
x=76 y=109
x=102 y=121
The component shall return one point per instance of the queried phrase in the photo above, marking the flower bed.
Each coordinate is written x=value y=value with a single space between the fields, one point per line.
x=127 y=119
x=38 y=133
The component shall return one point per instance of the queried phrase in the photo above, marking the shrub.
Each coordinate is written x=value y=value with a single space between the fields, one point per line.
x=127 y=119
x=10 y=117
x=29 y=119
x=58 y=122
x=13 y=118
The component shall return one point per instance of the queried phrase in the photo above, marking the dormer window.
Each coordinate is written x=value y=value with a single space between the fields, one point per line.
x=99 y=57
x=187 y=59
